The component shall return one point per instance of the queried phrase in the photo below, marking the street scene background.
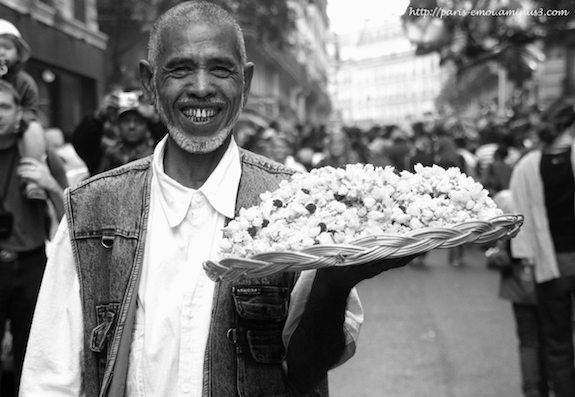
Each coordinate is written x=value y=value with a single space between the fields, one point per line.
x=434 y=331
x=455 y=83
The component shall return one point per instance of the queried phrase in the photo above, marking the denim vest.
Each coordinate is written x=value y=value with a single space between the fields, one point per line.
x=107 y=218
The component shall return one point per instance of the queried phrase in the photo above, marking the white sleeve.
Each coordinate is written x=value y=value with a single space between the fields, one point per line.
x=353 y=314
x=53 y=362
x=523 y=244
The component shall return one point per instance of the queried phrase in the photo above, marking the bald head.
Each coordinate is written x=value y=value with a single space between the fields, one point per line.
x=191 y=12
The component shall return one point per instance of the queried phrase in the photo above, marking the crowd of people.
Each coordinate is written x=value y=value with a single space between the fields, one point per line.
x=104 y=242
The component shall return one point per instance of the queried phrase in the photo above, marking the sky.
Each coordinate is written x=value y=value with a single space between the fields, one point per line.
x=349 y=15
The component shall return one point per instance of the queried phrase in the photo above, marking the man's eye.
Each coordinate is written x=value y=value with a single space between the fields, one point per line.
x=221 y=72
x=179 y=72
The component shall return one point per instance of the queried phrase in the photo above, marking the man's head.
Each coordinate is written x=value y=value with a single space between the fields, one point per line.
x=281 y=148
x=196 y=74
x=13 y=48
x=10 y=110
x=132 y=126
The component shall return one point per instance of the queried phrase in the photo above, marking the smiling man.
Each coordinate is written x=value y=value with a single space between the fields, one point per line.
x=125 y=307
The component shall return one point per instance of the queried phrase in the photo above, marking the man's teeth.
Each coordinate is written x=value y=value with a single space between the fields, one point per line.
x=200 y=115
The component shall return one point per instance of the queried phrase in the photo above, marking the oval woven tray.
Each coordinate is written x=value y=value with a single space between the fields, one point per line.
x=364 y=250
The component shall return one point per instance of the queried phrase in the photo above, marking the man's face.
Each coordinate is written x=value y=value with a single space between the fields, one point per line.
x=8 y=51
x=200 y=84
x=9 y=113
x=133 y=127
x=280 y=150
x=337 y=146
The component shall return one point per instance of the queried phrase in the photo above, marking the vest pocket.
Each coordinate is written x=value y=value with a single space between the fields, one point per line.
x=261 y=312
x=261 y=302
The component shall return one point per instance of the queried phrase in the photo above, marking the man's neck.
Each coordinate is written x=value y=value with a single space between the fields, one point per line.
x=191 y=170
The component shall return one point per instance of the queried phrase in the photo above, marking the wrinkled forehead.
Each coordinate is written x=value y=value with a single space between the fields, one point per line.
x=200 y=35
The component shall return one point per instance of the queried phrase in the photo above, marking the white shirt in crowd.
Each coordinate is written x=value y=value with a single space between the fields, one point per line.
x=174 y=299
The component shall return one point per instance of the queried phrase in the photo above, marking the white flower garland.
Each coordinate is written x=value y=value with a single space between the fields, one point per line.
x=336 y=206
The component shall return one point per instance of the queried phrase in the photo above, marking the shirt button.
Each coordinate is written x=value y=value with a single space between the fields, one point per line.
x=186 y=388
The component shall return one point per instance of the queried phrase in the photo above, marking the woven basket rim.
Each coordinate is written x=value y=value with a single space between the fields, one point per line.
x=366 y=249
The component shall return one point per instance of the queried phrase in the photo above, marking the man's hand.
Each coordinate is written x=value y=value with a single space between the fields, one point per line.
x=344 y=278
x=108 y=107
x=32 y=170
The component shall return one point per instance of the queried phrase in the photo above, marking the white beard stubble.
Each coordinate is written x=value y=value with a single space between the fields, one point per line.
x=197 y=144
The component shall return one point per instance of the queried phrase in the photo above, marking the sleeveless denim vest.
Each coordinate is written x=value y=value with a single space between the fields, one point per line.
x=107 y=218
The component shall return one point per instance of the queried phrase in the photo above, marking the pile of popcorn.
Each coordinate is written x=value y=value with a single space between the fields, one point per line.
x=338 y=205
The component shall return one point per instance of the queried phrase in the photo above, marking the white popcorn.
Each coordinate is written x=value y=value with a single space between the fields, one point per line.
x=330 y=205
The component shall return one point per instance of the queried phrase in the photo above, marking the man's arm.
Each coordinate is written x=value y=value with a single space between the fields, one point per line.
x=53 y=362
x=32 y=170
x=320 y=340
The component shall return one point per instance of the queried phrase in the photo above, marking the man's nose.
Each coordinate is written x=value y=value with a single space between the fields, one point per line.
x=200 y=84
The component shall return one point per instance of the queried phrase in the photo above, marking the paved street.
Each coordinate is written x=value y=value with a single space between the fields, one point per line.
x=434 y=331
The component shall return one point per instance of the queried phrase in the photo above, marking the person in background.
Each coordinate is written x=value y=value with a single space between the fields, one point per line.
x=498 y=172
x=99 y=131
x=463 y=148
x=134 y=140
x=379 y=149
x=24 y=227
x=338 y=151
x=281 y=151
x=400 y=149
x=517 y=285
x=422 y=151
x=126 y=307
x=14 y=52
x=543 y=187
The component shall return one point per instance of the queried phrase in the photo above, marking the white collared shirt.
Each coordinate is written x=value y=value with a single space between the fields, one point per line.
x=174 y=296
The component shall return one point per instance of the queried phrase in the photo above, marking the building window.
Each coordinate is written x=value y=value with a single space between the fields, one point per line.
x=80 y=10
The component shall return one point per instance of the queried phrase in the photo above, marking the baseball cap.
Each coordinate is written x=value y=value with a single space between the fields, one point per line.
x=7 y=28
x=127 y=109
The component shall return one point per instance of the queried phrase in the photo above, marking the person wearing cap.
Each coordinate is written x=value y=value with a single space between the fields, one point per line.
x=98 y=131
x=134 y=141
x=14 y=52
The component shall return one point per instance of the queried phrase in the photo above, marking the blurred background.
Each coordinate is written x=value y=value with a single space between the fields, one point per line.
x=323 y=64
x=343 y=81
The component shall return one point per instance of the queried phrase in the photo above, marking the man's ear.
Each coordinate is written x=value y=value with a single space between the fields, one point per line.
x=146 y=77
x=248 y=74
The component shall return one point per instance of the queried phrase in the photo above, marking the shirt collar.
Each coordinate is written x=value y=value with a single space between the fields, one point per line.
x=220 y=189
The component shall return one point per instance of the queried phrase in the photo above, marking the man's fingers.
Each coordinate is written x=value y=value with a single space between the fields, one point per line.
x=30 y=161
